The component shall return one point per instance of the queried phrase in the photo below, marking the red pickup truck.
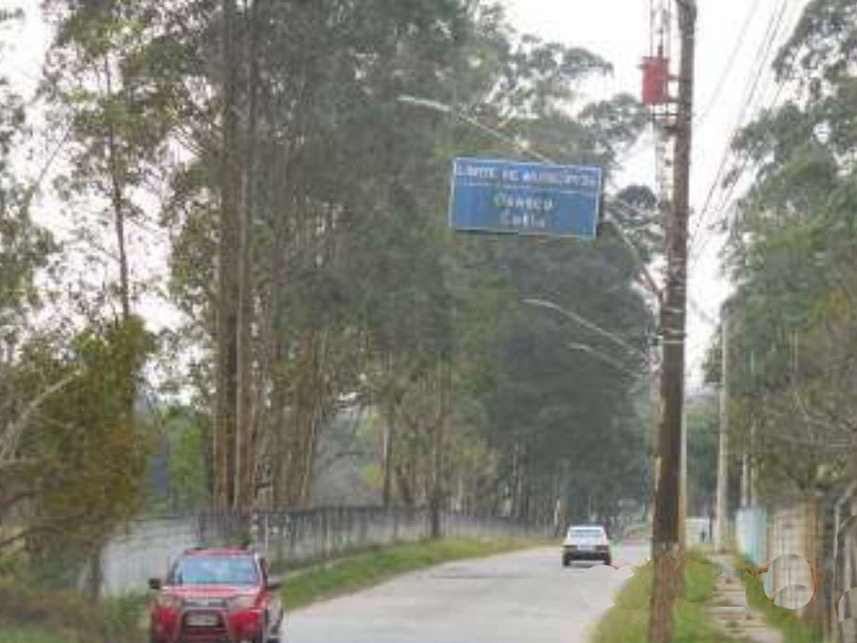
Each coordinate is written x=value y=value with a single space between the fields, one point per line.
x=216 y=596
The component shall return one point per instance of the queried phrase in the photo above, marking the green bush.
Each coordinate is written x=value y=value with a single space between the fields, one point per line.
x=66 y=615
x=787 y=621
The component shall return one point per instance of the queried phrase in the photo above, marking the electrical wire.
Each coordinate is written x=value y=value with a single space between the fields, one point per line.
x=752 y=94
x=762 y=57
x=726 y=200
x=724 y=206
x=727 y=70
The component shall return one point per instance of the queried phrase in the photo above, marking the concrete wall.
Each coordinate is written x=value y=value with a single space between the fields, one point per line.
x=144 y=550
x=808 y=547
x=148 y=547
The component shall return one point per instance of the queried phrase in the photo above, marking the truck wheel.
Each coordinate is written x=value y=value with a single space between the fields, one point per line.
x=274 y=635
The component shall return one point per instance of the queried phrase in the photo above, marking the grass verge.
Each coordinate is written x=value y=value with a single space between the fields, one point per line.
x=28 y=634
x=692 y=625
x=793 y=629
x=628 y=620
x=358 y=572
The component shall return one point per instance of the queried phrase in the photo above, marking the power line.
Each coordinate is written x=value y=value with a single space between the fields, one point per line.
x=733 y=56
x=725 y=203
x=762 y=56
x=780 y=86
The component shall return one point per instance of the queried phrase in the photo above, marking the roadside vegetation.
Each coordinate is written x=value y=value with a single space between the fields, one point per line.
x=357 y=299
x=692 y=625
x=30 y=613
x=321 y=320
x=628 y=620
x=793 y=629
x=25 y=634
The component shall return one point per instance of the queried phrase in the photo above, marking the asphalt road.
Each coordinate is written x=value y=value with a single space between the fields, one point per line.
x=526 y=597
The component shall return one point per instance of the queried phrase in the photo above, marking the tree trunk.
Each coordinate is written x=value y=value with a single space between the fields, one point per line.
x=129 y=387
x=227 y=283
x=244 y=453
x=437 y=491
x=389 y=444
x=309 y=454
x=117 y=201
x=404 y=486
x=276 y=351
x=95 y=573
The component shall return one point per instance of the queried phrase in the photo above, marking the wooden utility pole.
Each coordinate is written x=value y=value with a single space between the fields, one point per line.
x=665 y=540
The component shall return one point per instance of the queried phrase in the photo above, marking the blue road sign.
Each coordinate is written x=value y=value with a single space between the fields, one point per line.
x=525 y=198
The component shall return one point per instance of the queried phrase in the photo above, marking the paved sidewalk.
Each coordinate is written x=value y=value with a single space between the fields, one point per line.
x=728 y=607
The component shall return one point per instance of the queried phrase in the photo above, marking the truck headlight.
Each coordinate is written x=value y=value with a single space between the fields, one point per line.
x=169 y=602
x=240 y=603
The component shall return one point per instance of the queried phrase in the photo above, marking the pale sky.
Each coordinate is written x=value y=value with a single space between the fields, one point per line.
x=619 y=31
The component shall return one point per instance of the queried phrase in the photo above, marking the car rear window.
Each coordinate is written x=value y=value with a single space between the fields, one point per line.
x=586 y=532
x=213 y=570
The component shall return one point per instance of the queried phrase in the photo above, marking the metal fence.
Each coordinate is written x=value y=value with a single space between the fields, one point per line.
x=806 y=547
x=148 y=546
x=751 y=533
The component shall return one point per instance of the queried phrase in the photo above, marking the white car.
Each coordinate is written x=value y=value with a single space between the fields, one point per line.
x=586 y=542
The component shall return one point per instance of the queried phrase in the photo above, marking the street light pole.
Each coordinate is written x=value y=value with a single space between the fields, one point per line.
x=436 y=106
x=722 y=529
x=543 y=303
x=585 y=348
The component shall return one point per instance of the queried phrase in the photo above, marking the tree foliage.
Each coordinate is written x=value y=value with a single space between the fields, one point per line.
x=791 y=253
x=304 y=208
x=76 y=468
